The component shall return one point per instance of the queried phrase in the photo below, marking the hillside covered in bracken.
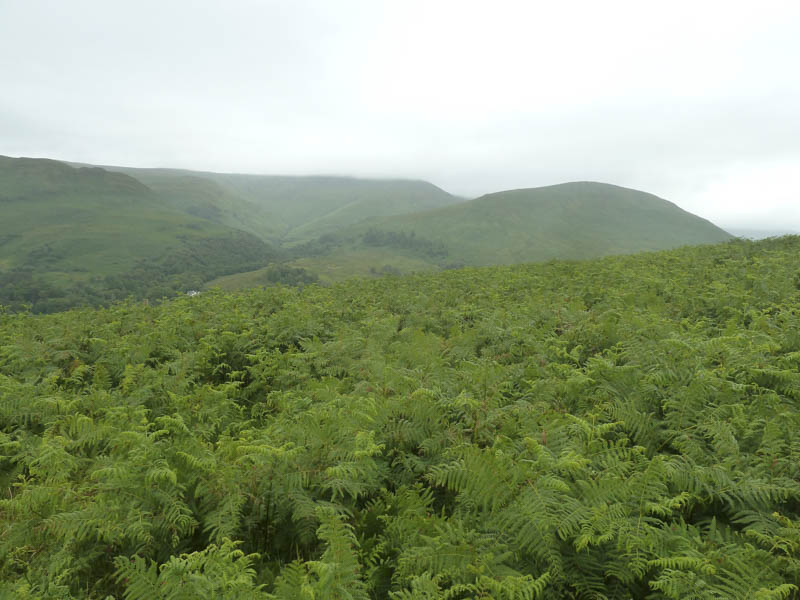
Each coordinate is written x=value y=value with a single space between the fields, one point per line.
x=620 y=428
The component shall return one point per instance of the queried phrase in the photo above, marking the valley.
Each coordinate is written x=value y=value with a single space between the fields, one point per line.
x=80 y=234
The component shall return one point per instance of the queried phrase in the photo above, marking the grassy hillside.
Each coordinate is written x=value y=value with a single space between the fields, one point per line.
x=90 y=223
x=29 y=179
x=339 y=265
x=200 y=196
x=625 y=428
x=288 y=209
x=356 y=200
x=567 y=221
x=95 y=234
x=70 y=235
x=313 y=206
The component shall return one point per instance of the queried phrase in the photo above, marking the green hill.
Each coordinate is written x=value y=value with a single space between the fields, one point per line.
x=150 y=226
x=288 y=209
x=29 y=179
x=71 y=235
x=626 y=428
x=316 y=205
x=567 y=221
x=199 y=195
x=99 y=233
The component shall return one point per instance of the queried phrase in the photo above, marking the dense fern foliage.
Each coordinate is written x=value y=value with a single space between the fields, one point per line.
x=626 y=428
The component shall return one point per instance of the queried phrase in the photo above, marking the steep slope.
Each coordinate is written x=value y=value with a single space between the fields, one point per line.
x=199 y=195
x=315 y=206
x=73 y=235
x=288 y=209
x=568 y=221
x=24 y=179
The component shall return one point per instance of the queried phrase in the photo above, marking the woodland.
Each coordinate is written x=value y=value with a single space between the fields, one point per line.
x=619 y=428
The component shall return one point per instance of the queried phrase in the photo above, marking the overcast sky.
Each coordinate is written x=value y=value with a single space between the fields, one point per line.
x=695 y=101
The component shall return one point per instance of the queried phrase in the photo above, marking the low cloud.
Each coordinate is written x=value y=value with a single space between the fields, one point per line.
x=698 y=104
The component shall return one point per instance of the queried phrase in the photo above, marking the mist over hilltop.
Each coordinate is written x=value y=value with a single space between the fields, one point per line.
x=692 y=102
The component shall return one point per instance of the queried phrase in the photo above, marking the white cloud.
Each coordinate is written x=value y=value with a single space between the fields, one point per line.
x=695 y=101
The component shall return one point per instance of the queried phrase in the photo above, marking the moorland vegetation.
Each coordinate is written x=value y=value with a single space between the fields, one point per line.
x=621 y=428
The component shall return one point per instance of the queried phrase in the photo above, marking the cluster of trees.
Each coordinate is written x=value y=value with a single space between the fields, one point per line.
x=20 y=287
x=284 y=274
x=626 y=428
x=405 y=241
x=191 y=263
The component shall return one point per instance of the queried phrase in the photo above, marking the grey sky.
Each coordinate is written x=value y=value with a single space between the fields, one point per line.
x=698 y=102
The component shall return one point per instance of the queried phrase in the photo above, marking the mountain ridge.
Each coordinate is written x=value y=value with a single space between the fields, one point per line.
x=20 y=177
x=75 y=235
x=297 y=208
x=573 y=220
x=103 y=221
